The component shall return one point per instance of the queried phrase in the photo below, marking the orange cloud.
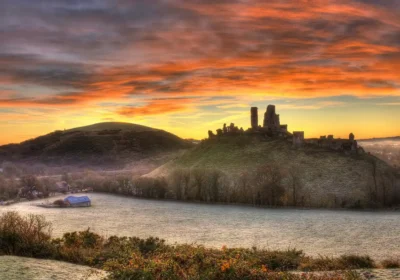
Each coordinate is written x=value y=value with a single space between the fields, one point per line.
x=168 y=52
x=156 y=107
x=291 y=48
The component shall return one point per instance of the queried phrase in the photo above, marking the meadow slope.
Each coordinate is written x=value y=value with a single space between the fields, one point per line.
x=324 y=178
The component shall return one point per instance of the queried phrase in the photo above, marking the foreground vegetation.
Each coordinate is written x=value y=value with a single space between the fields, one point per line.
x=152 y=258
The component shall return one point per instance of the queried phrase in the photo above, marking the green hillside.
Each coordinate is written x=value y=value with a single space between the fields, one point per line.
x=325 y=177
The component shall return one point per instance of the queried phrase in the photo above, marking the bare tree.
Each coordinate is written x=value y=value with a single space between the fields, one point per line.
x=387 y=185
x=10 y=169
x=177 y=183
x=186 y=183
x=295 y=185
x=214 y=184
x=198 y=176
x=374 y=171
x=245 y=190
x=267 y=179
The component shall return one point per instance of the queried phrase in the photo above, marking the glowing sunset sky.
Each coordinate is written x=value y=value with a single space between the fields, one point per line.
x=331 y=67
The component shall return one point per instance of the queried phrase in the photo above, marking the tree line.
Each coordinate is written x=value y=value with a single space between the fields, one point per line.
x=268 y=185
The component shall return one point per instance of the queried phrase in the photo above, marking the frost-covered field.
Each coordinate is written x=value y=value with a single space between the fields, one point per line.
x=19 y=268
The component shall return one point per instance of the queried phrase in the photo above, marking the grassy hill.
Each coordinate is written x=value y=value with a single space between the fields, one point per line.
x=103 y=144
x=322 y=177
x=113 y=126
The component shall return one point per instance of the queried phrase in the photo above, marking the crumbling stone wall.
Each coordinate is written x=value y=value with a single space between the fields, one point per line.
x=298 y=138
x=283 y=128
x=347 y=145
x=211 y=134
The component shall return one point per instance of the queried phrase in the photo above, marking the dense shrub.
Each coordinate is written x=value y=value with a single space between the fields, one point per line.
x=83 y=239
x=60 y=202
x=27 y=236
x=340 y=263
x=391 y=263
x=355 y=262
x=151 y=258
x=150 y=187
x=8 y=188
x=10 y=169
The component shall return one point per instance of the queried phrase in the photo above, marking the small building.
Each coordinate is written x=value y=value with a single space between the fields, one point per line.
x=77 y=201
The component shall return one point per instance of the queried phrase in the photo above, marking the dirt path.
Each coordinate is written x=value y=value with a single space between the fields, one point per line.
x=380 y=274
x=366 y=274
x=18 y=268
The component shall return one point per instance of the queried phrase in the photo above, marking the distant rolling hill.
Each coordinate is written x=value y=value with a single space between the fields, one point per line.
x=394 y=138
x=113 y=126
x=104 y=144
x=387 y=149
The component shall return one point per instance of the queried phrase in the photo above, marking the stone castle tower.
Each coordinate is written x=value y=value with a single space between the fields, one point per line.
x=271 y=119
x=254 y=117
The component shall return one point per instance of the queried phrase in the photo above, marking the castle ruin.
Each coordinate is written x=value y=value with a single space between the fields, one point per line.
x=272 y=128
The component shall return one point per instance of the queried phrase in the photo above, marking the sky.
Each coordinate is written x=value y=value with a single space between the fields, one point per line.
x=187 y=66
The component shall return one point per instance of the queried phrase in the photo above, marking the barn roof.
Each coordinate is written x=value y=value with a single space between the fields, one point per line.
x=76 y=199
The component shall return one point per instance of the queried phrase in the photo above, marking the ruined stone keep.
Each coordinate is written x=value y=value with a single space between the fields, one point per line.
x=271 y=119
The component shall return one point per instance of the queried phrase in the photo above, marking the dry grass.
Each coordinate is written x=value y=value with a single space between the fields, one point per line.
x=391 y=263
x=329 y=179
x=20 y=268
